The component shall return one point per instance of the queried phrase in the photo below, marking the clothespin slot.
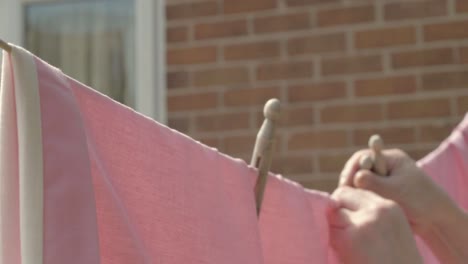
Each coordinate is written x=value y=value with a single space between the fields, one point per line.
x=375 y=161
x=5 y=46
x=263 y=149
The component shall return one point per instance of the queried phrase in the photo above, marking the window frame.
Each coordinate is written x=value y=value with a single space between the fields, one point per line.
x=150 y=44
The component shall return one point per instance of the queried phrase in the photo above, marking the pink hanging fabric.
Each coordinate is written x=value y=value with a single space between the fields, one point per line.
x=87 y=180
x=448 y=164
x=294 y=225
x=117 y=187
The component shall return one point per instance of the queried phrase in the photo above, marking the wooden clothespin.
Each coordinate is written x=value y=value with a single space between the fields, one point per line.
x=5 y=46
x=366 y=162
x=376 y=144
x=263 y=150
x=375 y=161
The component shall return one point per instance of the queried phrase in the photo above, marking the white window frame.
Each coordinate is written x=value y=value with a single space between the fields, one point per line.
x=150 y=44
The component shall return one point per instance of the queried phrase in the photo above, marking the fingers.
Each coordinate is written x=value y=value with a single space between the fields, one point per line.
x=340 y=218
x=392 y=159
x=351 y=167
x=352 y=199
x=368 y=180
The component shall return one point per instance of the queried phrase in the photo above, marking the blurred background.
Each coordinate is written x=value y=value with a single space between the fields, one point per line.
x=343 y=69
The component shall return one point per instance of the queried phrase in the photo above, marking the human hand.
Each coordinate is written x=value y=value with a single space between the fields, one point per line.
x=423 y=201
x=367 y=229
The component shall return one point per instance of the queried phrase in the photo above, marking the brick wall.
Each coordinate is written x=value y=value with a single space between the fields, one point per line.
x=342 y=69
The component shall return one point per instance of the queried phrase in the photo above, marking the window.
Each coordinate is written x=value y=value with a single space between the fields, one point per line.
x=91 y=41
x=114 y=46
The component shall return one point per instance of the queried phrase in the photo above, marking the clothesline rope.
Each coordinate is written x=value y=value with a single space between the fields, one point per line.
x=5 y=46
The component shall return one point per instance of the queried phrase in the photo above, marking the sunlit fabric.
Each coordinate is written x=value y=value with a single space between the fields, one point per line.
x=85 y=179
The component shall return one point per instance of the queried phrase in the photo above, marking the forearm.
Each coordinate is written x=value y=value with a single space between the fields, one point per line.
x=448 y=236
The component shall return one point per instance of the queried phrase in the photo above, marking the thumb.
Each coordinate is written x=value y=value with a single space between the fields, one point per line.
x=367 y=180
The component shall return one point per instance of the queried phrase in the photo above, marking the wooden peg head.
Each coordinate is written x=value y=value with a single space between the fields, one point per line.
x=376 y=143
x=272 y=109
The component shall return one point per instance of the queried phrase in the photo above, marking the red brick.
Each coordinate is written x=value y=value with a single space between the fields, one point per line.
x=238 y=144
x=177 y=34
x=316 y=92
x=192 y=55
x=250 y=96
x=287 y=165
x=178 y=79
x=213 y=142
x=297 y=116
x=462 y=6
x=188 y=102
x=351 y=65
x=463 y=54
x=239 y=6
x=351 y=113
x=256 y=50
x=293 y=29
x=421 y=58
x=417 y=153
x=222 y=122
x=445 y=80
x=422 y=108
x=181 y=124
x=462 y=103
x=385 y=86
x=291 y=117
x=222 y=76
x=191 y=10
x=385 y=37
x=333 y=162
x=345 y=16
x=446 y=31
x=310 y=2
x=221 y=29
x=391 y=135
x=420 y=9
x=285 y=70
x=279 y=23
x=318 y=140
x=317 y=44
x=324 y=185
x=435 y=132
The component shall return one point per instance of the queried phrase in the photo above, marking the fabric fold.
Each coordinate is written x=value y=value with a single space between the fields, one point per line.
x=10 y=249
x=22 y=176
x=51 y=184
